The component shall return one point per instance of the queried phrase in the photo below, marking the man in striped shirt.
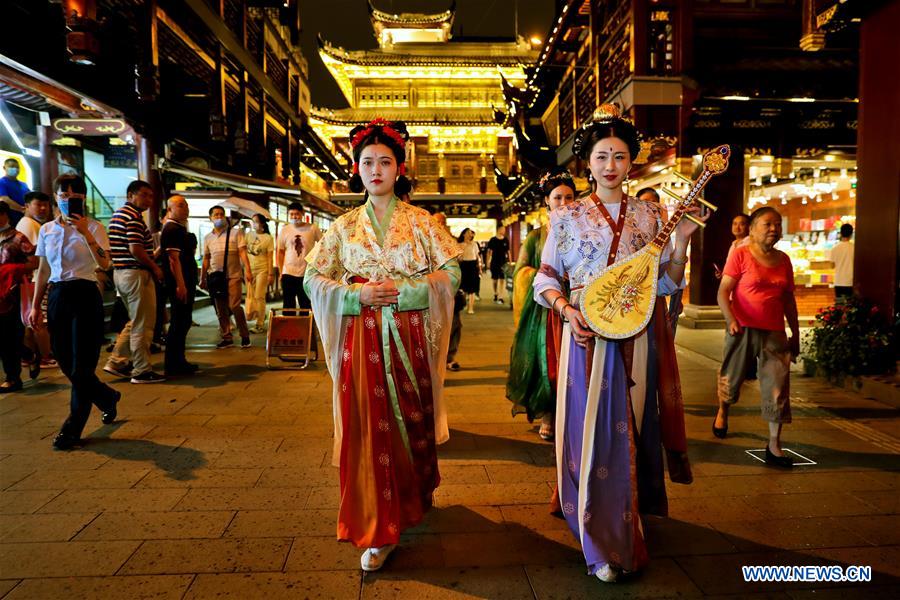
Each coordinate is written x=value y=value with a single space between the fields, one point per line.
x=134 y=270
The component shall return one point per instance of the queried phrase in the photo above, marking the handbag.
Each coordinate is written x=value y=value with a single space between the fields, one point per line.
x=217 y=281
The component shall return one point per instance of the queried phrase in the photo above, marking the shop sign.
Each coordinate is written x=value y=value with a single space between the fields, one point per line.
x=103 y=127
x=120 y=157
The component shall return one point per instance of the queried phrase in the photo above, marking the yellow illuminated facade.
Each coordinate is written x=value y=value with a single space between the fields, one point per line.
x=443 y=89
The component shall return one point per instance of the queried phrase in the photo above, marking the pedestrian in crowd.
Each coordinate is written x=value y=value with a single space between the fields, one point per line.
x=294 y=243
x=134 y=274
x=622 y=403
x=470 y=267
x=37 y=211
x=12 y=191
x=648 y=194
x=159 y=257
x=497 y=256
x=675 y=300
x=842 y=256
x=16 y=264
x=260 y=248
x=740 y=228
x=224 y=261
x=459 y=302
x=372 y=279
x=180 y=284
x=756 y=295
x=69 y=257
x=531 y=385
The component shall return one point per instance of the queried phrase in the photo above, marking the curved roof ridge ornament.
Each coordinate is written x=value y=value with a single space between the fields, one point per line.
x=412 y=18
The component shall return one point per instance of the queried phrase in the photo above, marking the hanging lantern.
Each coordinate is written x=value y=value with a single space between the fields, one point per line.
x=81 y=36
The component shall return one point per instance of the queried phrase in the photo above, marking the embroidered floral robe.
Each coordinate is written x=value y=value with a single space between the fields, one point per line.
x=387 y=363
x=616 y=400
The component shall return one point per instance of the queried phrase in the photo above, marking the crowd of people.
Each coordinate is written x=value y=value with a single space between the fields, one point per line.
x=387 y=283
x=56 y=262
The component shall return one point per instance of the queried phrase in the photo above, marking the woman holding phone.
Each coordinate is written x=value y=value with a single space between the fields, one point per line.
x=69 y=256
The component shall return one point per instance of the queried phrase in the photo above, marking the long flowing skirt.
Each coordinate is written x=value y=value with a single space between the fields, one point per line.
x=609 y=452
x=388 y=462
x=534 y=358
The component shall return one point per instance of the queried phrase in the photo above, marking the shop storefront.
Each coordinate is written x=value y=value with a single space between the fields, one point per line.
x=815 y=196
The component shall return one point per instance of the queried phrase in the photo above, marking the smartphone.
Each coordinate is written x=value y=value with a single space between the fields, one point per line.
x=76 y=206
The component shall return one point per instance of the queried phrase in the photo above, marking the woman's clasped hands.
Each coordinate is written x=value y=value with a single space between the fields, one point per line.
x=379 y=293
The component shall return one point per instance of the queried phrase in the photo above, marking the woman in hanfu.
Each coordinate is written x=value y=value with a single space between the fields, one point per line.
x=618 y=402
x=381 y=282
x=531 y=385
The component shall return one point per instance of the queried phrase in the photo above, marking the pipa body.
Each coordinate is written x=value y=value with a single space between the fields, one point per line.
x=619 y=302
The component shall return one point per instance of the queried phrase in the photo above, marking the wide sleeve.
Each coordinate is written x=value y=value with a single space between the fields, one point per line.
x=550 y=274
x=664 y=285
x=443 y=251
x=325 y=274
x=523 y=275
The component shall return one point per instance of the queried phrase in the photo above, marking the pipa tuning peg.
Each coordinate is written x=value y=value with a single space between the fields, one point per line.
x=695 y=220
x=706 y=203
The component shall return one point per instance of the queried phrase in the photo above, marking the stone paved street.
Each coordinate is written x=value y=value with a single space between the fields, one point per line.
x=220 y=486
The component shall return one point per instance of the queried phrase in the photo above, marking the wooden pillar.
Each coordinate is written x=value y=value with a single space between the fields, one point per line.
x=49 y=161
x=242 y=135
x=640 y=19
x=147 y=171
x=709 y=246
x=878 y=161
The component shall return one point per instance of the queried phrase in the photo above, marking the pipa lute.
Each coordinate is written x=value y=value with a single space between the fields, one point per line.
x=619 y=302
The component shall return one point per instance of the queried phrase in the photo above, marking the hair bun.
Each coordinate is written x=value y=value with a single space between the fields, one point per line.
x=606 y=117
x=400 y=127
x=606 y=112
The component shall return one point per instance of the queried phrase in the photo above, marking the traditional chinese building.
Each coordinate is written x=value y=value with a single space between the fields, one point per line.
x=444 y=87
x=177 y=92
x=778 y=80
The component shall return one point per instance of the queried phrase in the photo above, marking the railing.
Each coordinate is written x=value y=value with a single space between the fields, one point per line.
x=100 y=207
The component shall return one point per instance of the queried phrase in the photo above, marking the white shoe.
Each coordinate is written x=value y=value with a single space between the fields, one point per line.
x=373 y=558
x=607 y=574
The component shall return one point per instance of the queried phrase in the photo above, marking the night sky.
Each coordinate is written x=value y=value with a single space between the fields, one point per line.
x=345 y=23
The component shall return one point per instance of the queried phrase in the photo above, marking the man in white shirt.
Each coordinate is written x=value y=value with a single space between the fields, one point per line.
x=37 y=211
x=842 y=255
x=295 y=241
x=238 y=263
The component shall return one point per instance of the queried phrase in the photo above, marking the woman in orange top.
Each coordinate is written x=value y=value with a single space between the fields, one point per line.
x=756 y=295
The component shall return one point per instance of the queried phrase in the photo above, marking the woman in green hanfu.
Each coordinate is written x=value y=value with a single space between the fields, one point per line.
x=531 y=386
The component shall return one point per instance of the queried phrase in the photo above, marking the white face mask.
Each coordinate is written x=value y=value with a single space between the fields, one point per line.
x=296 y=222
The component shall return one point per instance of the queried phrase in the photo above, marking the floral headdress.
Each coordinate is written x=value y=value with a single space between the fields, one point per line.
x=387 y=128
x=554 y=178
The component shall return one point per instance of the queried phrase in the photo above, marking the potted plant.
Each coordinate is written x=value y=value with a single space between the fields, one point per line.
x=850 y=339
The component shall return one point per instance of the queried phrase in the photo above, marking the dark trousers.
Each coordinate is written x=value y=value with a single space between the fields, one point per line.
x=455 y=335
x=160 y=311
x=11 y=332
x=75 y=319
x=180 y=317
x=294 y=294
